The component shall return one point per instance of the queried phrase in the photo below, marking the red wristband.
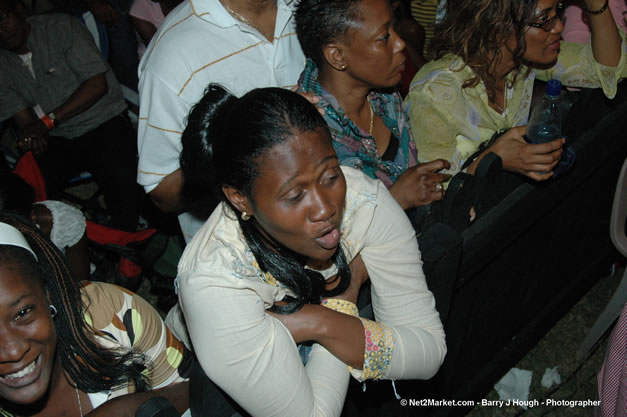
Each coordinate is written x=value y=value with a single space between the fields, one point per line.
x=47 y=121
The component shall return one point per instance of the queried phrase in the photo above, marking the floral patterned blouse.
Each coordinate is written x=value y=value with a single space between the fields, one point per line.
x=450 y=122
x=125 y=320
x=224 y=296
x=355 y=147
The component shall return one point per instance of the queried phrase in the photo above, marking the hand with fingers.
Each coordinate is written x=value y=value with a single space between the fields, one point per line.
x=420 y=185
x=34 y=137
x=535 y=161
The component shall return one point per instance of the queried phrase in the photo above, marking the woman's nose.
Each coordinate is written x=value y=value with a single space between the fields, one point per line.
x=559 y=25
x=12 y=348
x=399 y=43
x=321 y=207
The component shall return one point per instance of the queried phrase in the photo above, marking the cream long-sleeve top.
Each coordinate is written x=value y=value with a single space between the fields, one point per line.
x=451 y=122
x=253 y=357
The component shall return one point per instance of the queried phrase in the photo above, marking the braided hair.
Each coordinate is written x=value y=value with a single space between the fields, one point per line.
x=92 y=367
x=222 y=144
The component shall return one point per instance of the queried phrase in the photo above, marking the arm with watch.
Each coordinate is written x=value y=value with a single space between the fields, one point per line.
x=34 y=130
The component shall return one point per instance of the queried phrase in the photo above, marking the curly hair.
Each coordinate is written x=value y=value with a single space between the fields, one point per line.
x=475 y=30
x=92 y=367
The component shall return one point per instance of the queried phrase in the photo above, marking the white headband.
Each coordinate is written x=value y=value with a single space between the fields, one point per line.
x=9 y=235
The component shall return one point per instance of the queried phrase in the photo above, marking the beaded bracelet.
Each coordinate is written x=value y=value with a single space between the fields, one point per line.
x=341 y=306
x=601 y=10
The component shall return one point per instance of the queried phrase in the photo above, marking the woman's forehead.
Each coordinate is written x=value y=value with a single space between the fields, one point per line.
x=20 y=266
x=16 y=278
x=298 y=154
x=543 y=5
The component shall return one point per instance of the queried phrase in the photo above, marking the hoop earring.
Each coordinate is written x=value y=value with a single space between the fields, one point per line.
x=245 y=216
x=53 y=311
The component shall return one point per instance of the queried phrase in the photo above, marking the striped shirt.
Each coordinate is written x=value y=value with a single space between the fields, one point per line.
x=423 y=11
x=201 y=43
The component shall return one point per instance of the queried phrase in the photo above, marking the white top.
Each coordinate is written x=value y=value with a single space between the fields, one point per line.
x=253 y=357
x=199 y=43
x=68 y=224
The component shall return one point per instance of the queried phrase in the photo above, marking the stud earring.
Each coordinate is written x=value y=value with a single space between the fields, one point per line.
x=245 y=216
x=53 y=311
x=343 y=67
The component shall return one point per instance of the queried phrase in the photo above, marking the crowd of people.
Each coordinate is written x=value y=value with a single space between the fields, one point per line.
x=300 y=175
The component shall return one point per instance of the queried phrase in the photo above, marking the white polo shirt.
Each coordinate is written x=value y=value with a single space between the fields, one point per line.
x=201 y=43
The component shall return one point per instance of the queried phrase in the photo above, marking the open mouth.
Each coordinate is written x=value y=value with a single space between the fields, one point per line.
x=24 y=376
x=329 y=239
x=27 y=370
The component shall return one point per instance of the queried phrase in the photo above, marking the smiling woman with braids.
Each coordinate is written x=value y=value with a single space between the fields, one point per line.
x=488 y=54
x=281 y=260
x=71 y=350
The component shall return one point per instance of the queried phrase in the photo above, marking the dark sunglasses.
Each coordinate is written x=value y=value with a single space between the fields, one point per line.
x=549 y=24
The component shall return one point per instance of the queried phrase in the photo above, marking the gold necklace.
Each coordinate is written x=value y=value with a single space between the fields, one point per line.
x=371 y=117
x=245 y=21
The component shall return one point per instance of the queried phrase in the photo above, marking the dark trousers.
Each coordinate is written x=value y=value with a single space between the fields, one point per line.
x=206 y=399
x=108 y=152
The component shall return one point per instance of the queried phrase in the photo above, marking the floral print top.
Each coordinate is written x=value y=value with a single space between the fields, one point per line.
x=355 y=147
x=124 y=320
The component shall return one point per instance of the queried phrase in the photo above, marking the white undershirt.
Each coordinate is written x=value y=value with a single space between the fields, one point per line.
x=28 y=62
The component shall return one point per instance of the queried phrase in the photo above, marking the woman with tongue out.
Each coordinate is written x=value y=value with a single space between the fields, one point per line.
x=280 y=261
x=74 y=350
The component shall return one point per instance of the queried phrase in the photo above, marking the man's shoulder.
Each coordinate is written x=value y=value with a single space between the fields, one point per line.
x=54 y=28
x=58 y=21
x=180 y=36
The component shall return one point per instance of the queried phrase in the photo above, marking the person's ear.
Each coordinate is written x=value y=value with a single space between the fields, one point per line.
x=335 y=57
x=238 y=200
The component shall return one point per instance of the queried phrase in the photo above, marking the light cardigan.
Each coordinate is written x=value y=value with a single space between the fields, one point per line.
x=450 y=122
x=253 y=357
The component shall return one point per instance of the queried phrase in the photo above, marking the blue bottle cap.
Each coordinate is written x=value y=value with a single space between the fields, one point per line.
x=553 y=88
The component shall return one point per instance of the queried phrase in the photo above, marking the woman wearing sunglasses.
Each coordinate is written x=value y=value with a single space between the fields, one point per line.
x=488 y=54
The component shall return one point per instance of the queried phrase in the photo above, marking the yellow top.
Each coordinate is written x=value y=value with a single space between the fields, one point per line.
x=450 y=122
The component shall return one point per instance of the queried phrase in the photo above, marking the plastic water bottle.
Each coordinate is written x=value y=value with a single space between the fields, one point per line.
x=545 y=123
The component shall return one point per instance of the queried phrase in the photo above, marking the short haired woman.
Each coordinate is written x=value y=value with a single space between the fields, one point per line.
x=355 y=60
